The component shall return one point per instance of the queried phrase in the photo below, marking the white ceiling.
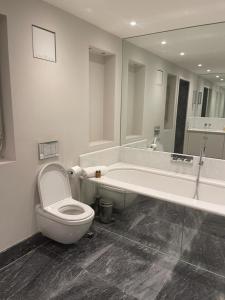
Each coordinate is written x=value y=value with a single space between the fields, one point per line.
x=204 y=44
x=151 y=15
x=212 y=78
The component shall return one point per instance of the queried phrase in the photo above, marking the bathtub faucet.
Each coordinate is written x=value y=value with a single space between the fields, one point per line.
x=201 y=156
x=200 y=164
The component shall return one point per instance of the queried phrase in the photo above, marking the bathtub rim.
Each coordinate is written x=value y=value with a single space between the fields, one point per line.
x=209 y=207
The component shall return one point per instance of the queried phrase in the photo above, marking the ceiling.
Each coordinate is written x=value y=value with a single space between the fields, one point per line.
x=203 y=45
x=151 y=16
x=212 y=78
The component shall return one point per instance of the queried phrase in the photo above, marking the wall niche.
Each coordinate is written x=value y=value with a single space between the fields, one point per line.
x=7 y=143
x=102 y=66
x=170 y=101
x=135 y=101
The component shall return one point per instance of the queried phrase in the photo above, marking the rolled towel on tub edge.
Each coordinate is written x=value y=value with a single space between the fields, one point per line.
x=91 y=171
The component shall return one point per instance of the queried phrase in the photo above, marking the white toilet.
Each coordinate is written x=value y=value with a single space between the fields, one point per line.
x=59 y=216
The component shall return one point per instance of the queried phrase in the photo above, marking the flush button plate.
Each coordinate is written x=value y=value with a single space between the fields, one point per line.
x=48 y=149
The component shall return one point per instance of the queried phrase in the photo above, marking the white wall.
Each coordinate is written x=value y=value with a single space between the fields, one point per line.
x=49 y=101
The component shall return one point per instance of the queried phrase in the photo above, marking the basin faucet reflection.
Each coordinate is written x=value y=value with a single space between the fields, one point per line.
x=153 y=146
x=200 y=164
x=155 y=143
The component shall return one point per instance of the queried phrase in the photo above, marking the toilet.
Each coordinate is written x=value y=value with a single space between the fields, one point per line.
x=59 y=216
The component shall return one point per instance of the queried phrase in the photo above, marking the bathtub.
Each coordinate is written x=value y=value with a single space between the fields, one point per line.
x=168 y=186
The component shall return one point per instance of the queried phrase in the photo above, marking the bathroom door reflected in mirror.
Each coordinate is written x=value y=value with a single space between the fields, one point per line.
x=173 y=96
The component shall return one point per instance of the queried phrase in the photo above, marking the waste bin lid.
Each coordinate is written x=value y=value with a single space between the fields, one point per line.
x=106 y=202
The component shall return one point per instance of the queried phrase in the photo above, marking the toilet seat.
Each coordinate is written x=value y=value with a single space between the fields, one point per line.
x=81 y=210
x=51 y=216
x=56 y=197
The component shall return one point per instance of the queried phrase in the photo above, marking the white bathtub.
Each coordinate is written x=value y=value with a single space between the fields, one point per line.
x=168 y=186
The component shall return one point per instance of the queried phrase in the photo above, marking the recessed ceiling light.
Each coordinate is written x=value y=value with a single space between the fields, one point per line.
x=199 y=65
x=164 y=42
x=208 y=70
x=221 y=79
x=181 y=53
x=133 y=23
x=217 y=76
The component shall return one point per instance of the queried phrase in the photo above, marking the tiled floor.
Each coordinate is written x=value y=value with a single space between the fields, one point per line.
x=114 y=264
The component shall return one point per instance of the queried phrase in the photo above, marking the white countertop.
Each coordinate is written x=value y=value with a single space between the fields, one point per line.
x=206 y=130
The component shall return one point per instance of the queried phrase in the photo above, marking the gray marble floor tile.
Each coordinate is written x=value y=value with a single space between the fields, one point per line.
x=147 y=222
x=169 y=212
x=88 y=286
x=37 y=275
x=204 y=250
x=108 y=267
x=161 y=209
x=193 y=218
x=189 y=283
x=136 y=270
x=150 y=281
x=217 y=283
x=179 y=288
x=158 y=234
x=128 y=218
x=205 y=222
x=85 y=251
x=21 y=249
x=122 y=260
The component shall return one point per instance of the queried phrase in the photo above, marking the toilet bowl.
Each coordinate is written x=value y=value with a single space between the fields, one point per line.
x=59 y=216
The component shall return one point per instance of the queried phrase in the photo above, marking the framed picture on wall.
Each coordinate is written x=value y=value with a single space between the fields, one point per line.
x=44 y=44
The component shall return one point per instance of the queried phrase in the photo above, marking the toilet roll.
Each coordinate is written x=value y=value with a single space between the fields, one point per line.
x=75 y=171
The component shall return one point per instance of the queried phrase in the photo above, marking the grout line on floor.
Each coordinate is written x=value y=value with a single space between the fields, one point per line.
x=135 y=242
x=32 y=250
x=163 y=253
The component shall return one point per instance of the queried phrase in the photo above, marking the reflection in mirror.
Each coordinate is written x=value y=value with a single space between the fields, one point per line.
x=173 y=96
x=136 y=86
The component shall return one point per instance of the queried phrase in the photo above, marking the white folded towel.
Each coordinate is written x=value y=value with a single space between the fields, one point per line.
x=91 y=171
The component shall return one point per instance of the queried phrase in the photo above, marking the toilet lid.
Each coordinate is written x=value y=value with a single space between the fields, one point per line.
x=53 y=184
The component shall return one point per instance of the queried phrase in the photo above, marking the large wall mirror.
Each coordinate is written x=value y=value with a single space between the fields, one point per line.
x=173 y=96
